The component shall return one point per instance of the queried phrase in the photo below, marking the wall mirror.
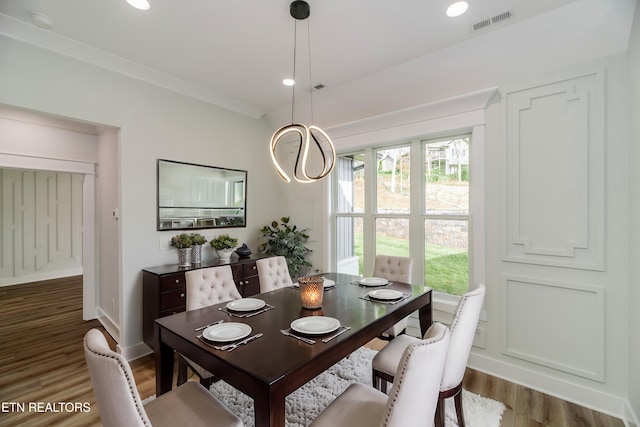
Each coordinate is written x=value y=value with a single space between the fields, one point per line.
x=197 y=196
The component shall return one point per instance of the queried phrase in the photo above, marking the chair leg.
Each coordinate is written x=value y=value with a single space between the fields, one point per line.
x=378 y=382
x=440 y=411
x=457 y=400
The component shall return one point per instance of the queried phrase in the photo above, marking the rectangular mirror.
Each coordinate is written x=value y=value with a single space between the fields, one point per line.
x=194 y=196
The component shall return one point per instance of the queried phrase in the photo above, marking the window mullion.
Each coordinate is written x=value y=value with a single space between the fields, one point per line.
x=368 y=220
x=416 y=225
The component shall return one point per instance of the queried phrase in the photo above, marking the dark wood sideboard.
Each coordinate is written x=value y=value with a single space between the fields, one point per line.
x=164 y=288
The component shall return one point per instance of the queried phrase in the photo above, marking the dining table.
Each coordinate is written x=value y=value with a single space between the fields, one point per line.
x=269 y=368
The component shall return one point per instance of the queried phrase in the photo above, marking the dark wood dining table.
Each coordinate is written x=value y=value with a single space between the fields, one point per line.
x=273 y=366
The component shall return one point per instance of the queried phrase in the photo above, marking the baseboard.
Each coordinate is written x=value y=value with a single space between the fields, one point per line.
x=583 y=396
x=631 y=418
x=38 y=277
x=135 y=352
x=110 y=326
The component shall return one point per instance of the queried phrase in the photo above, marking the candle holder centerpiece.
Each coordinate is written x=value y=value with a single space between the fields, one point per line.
x=311 y=291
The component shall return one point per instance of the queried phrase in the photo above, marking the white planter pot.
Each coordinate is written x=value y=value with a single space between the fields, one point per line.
x=224 y=254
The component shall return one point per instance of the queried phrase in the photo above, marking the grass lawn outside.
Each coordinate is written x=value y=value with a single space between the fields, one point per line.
x=446 y=269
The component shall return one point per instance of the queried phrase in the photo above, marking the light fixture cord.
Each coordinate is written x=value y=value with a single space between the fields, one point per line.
x=293 y=88
x=310 y=80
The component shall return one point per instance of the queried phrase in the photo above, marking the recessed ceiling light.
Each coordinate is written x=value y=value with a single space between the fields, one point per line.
x=288 y=82
x=457 y=9
x=139 y=4
x=41 y=20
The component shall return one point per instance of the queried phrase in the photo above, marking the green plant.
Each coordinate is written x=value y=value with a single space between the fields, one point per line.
x=197 y=239
x=287 y=241
x=181 y=241
x=223 y=241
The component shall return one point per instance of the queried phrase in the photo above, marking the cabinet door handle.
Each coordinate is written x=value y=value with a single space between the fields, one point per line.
x=177 y=281
x=182 y=295
x=246 y=282
x=254 y=267
x=241 y=283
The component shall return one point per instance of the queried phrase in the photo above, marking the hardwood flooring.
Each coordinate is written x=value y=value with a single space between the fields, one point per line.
x=42 y=362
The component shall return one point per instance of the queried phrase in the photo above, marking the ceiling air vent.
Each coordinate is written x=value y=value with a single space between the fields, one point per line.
x=479 y=25
x=493 y=20
x=501 y=17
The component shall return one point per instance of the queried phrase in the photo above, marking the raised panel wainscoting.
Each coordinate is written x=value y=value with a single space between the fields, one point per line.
x=555 y=174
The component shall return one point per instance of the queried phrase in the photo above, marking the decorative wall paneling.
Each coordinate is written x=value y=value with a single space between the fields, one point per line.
x=41 y=215
x=556 y=324
x=555 y=174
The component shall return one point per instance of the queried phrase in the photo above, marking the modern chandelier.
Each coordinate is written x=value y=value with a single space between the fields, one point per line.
x=304 y=134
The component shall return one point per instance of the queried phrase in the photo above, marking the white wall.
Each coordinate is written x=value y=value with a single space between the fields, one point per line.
x=597 y=375
x=153 y=123
x=107 y=244
x=634 y=214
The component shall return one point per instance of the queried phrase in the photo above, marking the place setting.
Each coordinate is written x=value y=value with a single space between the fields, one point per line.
x=385 y=296
x=327 y=284
x=304 y=328
x=371 y=282
x=246 y=307
x=234 y=334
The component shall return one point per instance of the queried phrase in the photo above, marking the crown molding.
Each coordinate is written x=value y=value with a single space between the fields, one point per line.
x=27 y=33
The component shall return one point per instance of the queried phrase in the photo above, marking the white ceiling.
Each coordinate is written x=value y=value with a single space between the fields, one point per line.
x=236 y=53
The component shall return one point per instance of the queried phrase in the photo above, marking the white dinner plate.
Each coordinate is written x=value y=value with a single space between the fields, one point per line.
x=228 y=331
x=245 y=304
x=328 y=283
x=373 y=281
x=315 y=325
x=385 y=294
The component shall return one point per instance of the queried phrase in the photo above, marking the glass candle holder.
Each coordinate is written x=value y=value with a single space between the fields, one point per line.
x=311 y=291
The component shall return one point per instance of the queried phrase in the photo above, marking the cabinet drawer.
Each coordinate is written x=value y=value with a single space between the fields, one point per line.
x=172 y=282
x=169 y=300
x=250 y=269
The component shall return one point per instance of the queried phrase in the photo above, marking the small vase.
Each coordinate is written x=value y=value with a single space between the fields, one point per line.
x=196 y=254
x=184 y=257
x=224 y=254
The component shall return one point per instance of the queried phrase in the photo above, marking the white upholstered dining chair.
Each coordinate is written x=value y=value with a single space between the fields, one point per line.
x=414 y=396
x=273 y=273
x=463 y=327
x=397 y=269
x=205 y=287
x=119 y=401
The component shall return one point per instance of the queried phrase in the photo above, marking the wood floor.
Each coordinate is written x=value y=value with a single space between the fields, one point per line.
x=42 y=362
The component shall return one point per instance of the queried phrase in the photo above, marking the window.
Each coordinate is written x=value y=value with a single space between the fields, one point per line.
x=381 y=207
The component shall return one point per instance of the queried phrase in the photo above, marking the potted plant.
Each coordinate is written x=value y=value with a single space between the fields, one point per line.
x=288 y=241
x=224 y=246
x=197 y=240
x=183 y=243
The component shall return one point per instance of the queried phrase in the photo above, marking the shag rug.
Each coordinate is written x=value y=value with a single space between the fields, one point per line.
x=303 y=405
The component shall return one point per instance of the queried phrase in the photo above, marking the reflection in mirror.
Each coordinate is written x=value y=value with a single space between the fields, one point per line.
x=198 y=196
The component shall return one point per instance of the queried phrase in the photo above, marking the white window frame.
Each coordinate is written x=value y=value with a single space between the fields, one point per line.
x=460 y=115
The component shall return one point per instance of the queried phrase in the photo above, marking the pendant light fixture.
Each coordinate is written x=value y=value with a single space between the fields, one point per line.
x=306 y=135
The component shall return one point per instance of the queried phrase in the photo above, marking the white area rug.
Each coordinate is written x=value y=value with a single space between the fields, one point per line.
x=308 y=401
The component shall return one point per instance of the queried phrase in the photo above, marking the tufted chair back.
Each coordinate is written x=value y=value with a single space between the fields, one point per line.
x=273 y=273
x=394 y=268
x=208 y=286
x=463 y=329
x=113 y=384
x=416 y=386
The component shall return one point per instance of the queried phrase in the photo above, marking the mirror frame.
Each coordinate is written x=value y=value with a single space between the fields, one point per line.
x=200 y=221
